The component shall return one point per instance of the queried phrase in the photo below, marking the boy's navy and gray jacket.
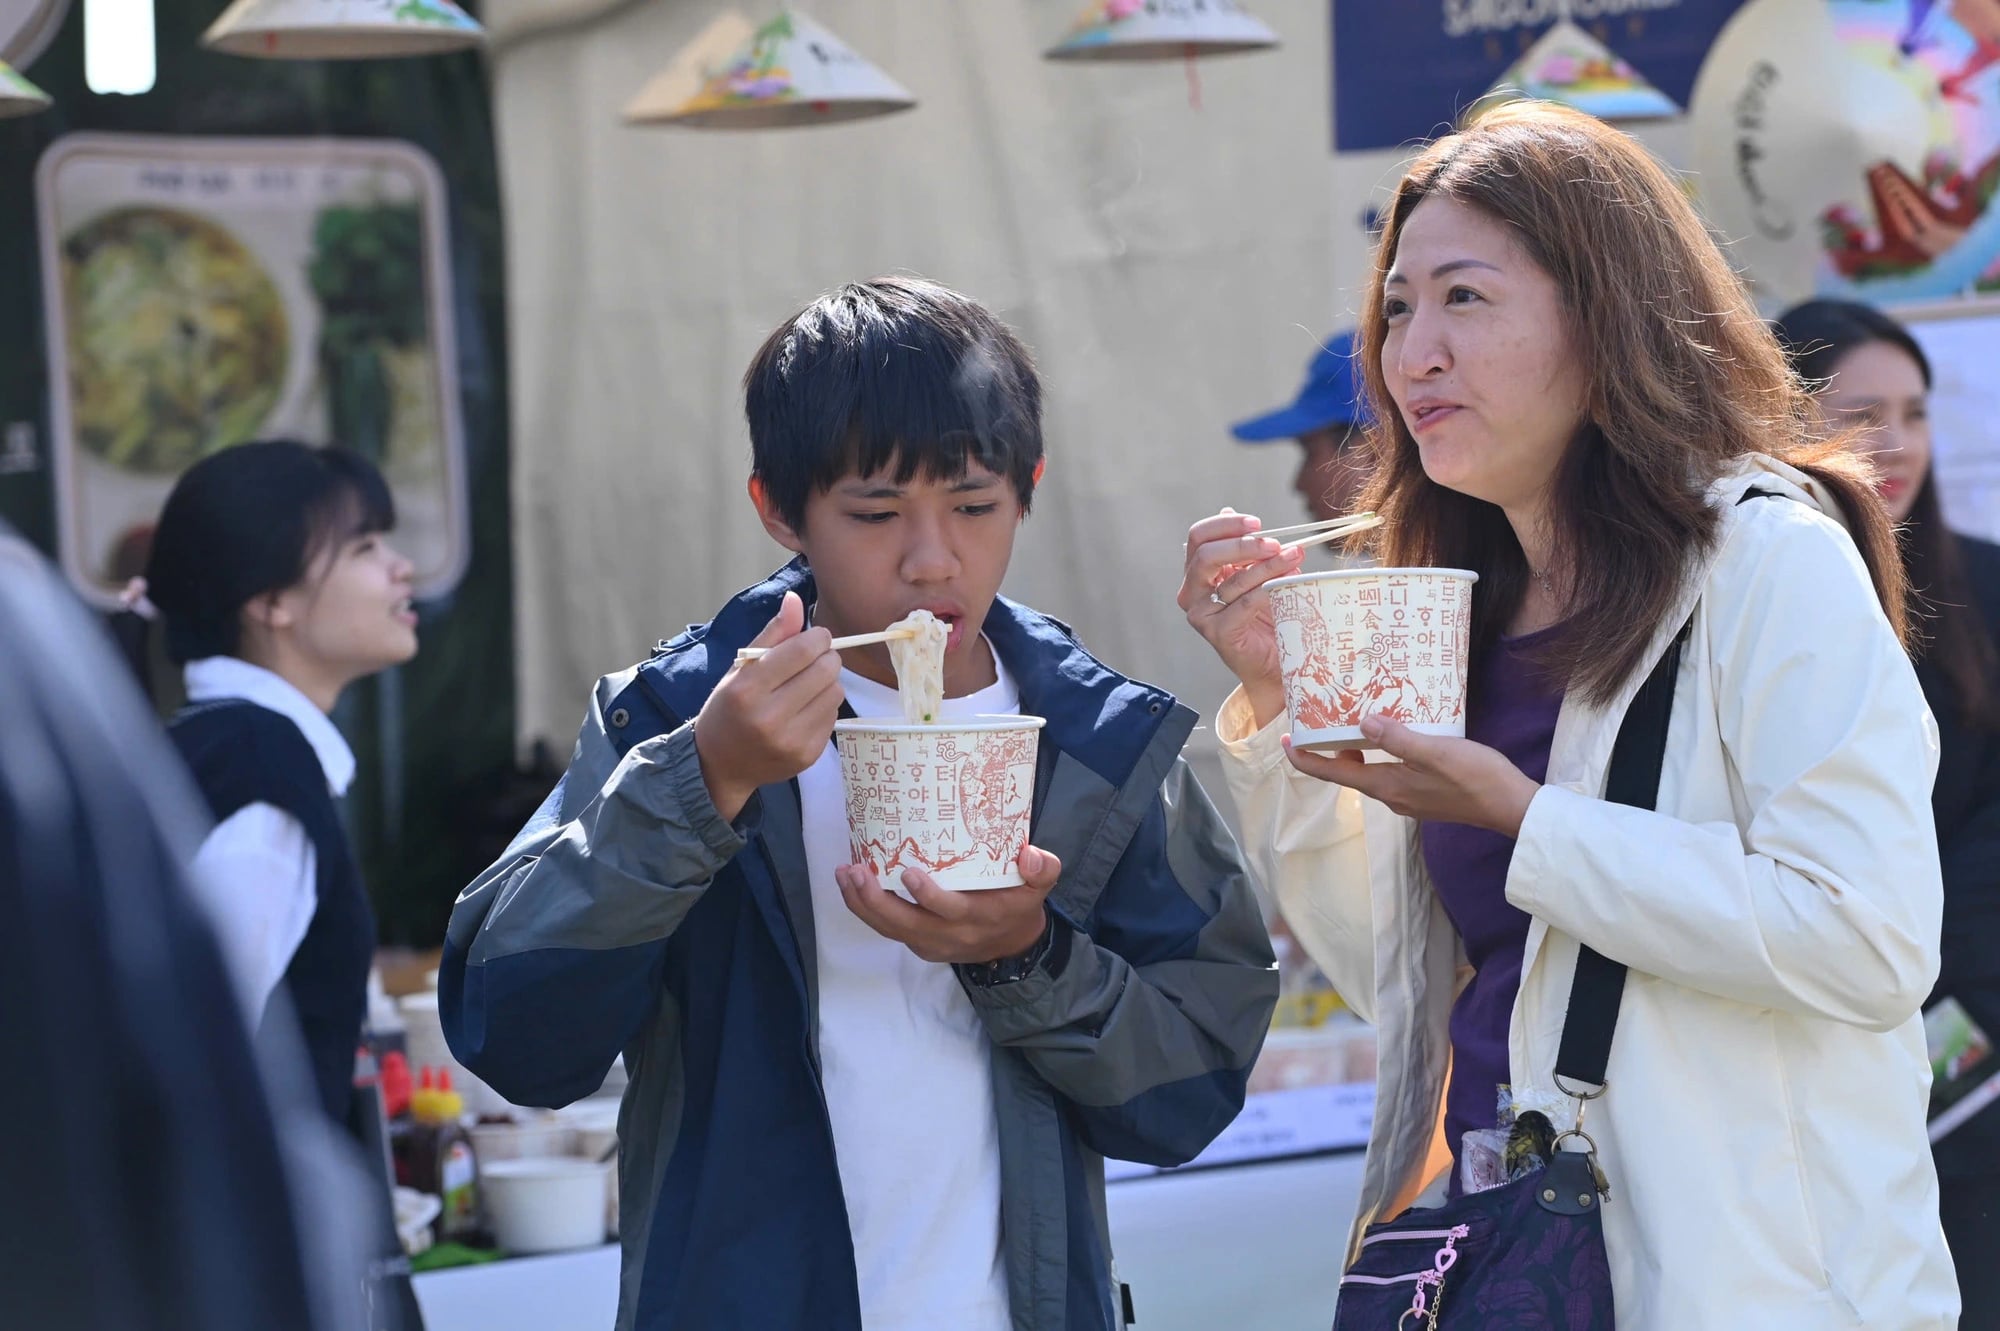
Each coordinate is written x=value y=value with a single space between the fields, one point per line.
x=629 y=917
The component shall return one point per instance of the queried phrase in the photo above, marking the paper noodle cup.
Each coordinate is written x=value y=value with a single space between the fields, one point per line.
x=952 y=799
x=1360 y=642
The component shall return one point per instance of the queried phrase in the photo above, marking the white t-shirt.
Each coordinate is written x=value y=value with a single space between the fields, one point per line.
x=909 y=1084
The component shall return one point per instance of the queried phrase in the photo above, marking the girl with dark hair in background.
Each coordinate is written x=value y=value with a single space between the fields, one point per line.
x=1869 y=372
x=271 y=575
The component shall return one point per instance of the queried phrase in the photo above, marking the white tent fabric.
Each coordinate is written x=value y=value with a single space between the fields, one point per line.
x=1171 y=268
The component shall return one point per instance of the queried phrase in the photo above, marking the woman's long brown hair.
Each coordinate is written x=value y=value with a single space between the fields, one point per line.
x=1684 y=379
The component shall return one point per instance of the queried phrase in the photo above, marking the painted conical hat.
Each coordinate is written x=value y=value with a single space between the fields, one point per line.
x=683 y=76
x=1161 y=30
x=27 y=27
x=342 y=29
x=1836 y=164
x=790 y=71
x=18 y=97
x=1570 y=66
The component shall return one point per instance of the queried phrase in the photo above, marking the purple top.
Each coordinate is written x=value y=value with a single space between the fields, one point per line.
x=1514 y=710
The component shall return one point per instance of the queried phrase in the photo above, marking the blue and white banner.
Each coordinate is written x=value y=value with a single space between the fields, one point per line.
x=1404 y=69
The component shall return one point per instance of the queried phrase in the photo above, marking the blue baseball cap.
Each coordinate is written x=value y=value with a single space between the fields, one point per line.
x=1332 y=395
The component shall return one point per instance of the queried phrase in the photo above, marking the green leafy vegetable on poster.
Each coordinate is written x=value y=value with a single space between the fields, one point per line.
x=367 y=272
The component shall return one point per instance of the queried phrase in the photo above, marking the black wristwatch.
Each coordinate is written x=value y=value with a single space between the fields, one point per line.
x=1011 y=970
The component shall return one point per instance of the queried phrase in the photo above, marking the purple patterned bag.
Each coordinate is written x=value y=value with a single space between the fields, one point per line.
x=1527 y=1255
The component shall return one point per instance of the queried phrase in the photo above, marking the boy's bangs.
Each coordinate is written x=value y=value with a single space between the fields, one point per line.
x=911 y=418
x=943 y=458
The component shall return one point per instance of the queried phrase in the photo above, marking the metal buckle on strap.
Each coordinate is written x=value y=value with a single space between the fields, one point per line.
x=1583 y=1099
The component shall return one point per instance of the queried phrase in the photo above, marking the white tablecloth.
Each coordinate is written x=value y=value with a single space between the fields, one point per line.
x=1244 y=1246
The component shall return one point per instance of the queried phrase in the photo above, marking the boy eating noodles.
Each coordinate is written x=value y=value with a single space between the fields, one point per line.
x=850 y=1107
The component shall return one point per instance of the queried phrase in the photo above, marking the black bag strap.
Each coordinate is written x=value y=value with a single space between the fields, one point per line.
x=1634 y=779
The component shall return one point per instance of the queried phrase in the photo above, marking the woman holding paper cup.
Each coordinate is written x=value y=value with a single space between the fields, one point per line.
x=1579 y=406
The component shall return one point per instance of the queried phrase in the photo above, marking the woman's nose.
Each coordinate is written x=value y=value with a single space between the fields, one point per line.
x=1423 y=351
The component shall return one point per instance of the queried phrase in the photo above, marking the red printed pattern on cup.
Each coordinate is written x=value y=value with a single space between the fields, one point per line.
x=939 y=802
x=1387 y=646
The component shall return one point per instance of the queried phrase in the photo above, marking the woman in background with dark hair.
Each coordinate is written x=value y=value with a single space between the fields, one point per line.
x=1868 y=372
x=276 y=588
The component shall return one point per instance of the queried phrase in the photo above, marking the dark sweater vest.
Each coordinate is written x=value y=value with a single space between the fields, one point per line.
x=243 y=754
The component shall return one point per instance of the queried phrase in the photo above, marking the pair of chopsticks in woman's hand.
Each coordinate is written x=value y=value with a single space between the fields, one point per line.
x=1322 y=533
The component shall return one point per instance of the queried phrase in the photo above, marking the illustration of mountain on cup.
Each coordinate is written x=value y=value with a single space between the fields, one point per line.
x=953 y=798
x=1388 y=642
x=990 y=800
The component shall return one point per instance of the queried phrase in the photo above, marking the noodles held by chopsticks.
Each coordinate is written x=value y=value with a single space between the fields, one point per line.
x=919 y=663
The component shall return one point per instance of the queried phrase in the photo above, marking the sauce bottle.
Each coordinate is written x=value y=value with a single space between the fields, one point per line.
x=440 y=1154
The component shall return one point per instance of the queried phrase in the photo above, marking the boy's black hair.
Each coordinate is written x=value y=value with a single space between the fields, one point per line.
x=895 y=372
x=250 y=520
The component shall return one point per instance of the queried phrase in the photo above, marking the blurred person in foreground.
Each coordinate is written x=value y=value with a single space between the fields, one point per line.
x=1869 y=374
x=157 y=1175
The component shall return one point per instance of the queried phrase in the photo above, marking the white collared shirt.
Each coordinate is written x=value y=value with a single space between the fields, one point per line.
x=256 y=873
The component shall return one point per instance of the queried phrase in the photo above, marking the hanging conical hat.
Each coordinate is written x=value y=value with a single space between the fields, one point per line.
x=27 y=27
x=1570 y=66
x=790 y=71
x=676 y=85
x=1835 y=164
x=1161 y=30
x=18 y=97
x=342 y=29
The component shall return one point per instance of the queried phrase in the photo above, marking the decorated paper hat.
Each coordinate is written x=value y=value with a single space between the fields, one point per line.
x=18 y=97
x=342 y=29
x=1570 y=66
x=790 y=71
x=1162 y=30
x=1839 y=157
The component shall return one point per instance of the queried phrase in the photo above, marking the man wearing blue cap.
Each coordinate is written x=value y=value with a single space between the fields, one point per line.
x=1327 y=419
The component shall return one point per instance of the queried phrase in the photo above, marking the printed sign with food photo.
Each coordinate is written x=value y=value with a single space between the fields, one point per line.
x=201 y=293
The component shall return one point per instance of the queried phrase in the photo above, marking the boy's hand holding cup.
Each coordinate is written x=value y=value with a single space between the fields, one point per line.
x=962 y=928
x=770 y=718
